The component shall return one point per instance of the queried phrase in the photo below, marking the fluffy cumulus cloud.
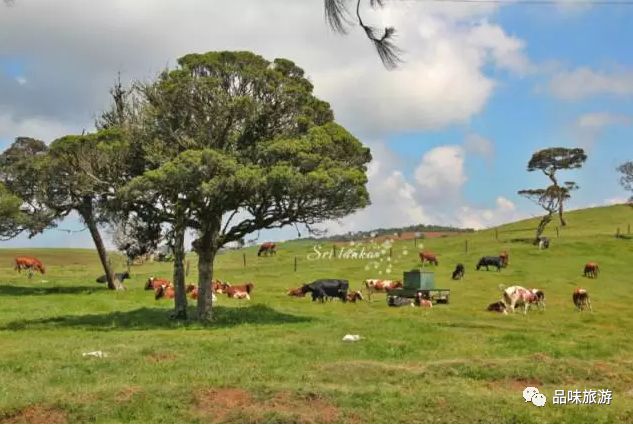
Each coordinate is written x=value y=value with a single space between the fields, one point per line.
x=585 y=82
x=440 y=174
x=480 y=146
x=503 y=211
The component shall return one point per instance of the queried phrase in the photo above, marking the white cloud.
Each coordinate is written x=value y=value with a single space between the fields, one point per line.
x=21 y=80
x=38 y=127
x=441 y=174
x=479 y=145
x=589 y=127
x=479 y=218
x=585 y=82
x=616 y=200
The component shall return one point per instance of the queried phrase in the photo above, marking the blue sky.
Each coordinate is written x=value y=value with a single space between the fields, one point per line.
x=451 y=131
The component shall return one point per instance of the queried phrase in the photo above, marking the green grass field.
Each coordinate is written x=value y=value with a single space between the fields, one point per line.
x=277 y=359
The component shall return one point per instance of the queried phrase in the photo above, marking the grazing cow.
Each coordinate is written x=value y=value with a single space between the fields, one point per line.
x=499 y=307
x=354 y=296
x=421 y=301
x=490 y=261
x=581 y=299
x=505 y=258
x=543 y=242
x=322 y=288
x=592 y=270
x=428 y=257
x=119 y=276
x=458 y=273
x=267 y=248
x=377 y=285
x=156 y=282
x=29 y=263
x=239 y=291
x=517 y=295
x=297 y=292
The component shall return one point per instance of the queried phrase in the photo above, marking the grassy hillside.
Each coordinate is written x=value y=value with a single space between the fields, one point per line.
x=277 y=359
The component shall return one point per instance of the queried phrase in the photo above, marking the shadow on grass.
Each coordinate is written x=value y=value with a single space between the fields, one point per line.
x=158 y=318
x=12 y=290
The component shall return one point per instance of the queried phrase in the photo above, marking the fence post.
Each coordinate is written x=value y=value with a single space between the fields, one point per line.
x=295 y=263
x=334 y=249
x=617 y=233
x=628 y=230
x=496 y=234
x=466 y=245
x=244 y=259
x=187 y=268
x=390 y=252
x=415 y=242
x=557 y=232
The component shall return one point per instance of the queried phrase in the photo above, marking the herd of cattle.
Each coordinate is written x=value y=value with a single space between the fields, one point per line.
x=330 y=289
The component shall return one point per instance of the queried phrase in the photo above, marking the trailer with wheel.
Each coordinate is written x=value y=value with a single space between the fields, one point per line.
x=415 y=281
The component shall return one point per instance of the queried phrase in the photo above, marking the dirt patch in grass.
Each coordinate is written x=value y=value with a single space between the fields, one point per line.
x=238 y=405
x=513 y=384
x=37 y=414
x=127 y=393
x=161 y=357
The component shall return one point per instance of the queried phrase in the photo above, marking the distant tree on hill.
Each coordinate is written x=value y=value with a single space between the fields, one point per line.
x=549 y=199
x=626 y=180
x=551 y=160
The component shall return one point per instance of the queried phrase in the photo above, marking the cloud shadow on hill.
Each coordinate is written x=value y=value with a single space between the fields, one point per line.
x=158 y=318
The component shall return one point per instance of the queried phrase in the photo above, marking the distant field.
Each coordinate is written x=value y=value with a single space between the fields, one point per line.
x=277 y=359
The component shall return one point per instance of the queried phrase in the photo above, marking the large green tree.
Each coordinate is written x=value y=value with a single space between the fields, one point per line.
x=233 y=144
x=552 y=160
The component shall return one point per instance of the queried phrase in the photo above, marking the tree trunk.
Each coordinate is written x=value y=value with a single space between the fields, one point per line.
x=206 y=247
x=180 y=300
x=87 y=215
x=541 y=227
x=560 y=214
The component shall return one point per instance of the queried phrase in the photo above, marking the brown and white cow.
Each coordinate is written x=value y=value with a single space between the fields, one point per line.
x=428 y=257
x=517 y=295
x=591 y=270
x=156 y=282
x=378 y=285
x=354 y=296
x=239 y=291
x=581 y=299
x=267 y=248
x=29 y=263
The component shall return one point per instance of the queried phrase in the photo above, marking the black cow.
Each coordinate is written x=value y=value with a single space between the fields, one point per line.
x=459 y=272
x=322 y=288
x=490 y=261
x=120 y=276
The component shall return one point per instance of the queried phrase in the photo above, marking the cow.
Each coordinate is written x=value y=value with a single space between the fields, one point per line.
x=30 y=264
x=354 y=296
x=490 y=261
x=592 y=270
x=239 y=291
x=517 y=295
x=192 y=290
x=499 y=307
x=322 y=288
x=428 y=257
x=421 y=301
x=377 y=285
x=543 y=242
x=155 y=282
x=505 y=258
x=267 y=248
x=297 y=292
x=581 y=299
x=458 y=273
x=118 y=276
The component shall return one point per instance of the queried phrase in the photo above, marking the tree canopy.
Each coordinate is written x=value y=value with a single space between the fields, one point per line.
x=626 y=179
x=233 y=143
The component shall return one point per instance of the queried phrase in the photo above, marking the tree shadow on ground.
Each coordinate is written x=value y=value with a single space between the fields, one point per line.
x=158 y=318
x=13 y=290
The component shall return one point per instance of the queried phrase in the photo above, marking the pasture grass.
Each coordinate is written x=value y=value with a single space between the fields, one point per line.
x=278 y=359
